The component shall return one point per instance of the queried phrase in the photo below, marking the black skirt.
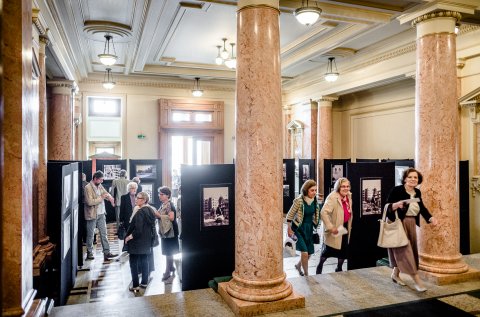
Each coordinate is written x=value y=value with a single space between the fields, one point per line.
x=329 y=252
x=170 y=246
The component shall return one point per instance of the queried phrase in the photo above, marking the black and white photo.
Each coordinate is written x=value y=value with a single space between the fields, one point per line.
x=306 y=172
x=67 y=181
x=146 y=171
x=111 y=171
x=398 y=174
x=371 y=196
x=284 y=172
x=286 y=190
x=148 y=188
x=337 y=172
x=215 y=206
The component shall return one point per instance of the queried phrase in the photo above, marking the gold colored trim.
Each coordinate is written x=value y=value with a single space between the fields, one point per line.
x=440 y=14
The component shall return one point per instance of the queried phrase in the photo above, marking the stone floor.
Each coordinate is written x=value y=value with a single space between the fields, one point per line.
x=102 y=290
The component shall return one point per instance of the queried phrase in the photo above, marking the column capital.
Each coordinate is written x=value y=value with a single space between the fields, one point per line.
x=458 y=6
x=62 y=87
x=474 y=106
x=439 y=14
x=256 y=3
x=327 y=98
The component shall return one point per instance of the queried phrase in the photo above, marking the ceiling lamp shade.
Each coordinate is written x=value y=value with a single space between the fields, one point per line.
x=332 y=73
x=224 y=53
x=307 y=15
x=108 y=82
x=231 y=62
x=196 y=91
x=106 y=58
x=219 y=59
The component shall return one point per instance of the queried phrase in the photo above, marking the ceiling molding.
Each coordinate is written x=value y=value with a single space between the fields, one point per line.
x=95 y=26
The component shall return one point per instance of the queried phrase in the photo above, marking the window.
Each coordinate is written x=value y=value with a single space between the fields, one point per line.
x=103 y=107
x=203 y=117
x=181 y=116
x=188 y=116
x=109 y=150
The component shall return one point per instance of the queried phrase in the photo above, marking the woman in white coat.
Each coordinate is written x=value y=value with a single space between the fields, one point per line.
x=336 y=213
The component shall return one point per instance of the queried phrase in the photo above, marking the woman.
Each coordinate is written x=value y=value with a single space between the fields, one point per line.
x=302 y=217
x=170 y=244
x=139 y=240
x=405 y=259
x=336 y=213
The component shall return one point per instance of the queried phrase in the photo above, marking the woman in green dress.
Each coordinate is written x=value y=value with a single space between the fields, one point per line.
x=302 y=218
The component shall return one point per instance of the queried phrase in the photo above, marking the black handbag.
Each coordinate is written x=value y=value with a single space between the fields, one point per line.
x=155 y=240
x=315 y=237
x=121 y=232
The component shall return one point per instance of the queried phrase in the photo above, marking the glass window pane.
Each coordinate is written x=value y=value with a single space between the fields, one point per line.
x=179 y=116
x=104 y=107
x=203 y=117
x=109 y=150
x=203 y=152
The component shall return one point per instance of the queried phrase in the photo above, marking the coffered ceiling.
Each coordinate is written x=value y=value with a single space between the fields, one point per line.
x=172 y=38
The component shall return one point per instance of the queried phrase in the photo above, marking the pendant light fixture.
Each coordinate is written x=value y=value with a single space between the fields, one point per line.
x=224 y=53
x=107 y=58
x=332 y=73
x=232 y=61
x=219 y=59
x=196 y=91
x=108 y=82
x=307 y=15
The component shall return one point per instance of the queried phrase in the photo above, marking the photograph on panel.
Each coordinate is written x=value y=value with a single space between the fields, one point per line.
x=215 y=206
x=146 y=170
x=371 y=196
x=111 y=171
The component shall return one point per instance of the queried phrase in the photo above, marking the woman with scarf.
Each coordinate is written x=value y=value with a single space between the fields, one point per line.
x=336 y=213
x=302 y=217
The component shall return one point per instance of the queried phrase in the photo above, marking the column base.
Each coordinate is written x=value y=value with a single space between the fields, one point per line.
x=246 y=308
x=444 y=279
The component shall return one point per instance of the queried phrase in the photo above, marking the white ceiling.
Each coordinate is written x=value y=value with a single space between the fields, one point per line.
x=179 y=38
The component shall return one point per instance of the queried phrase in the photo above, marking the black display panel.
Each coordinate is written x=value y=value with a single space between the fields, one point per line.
x=110 y=169
x=464 y=192
x=208 y=245
x=370 y=185
x=288 y=172
x=400 y=167
x=150 y=174
x=306 y=170
x=333 y=169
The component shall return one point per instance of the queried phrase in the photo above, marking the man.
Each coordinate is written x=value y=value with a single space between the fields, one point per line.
x=127 y=204
x=137 y=180
x=118 y=189
x=94 y=212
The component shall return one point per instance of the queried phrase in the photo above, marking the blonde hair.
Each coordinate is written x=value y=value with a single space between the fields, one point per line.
x=339 y=183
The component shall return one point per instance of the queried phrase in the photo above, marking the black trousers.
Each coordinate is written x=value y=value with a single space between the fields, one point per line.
x=139 y=262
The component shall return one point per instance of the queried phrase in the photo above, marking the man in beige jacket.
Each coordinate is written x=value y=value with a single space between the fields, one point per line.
x=95 y=211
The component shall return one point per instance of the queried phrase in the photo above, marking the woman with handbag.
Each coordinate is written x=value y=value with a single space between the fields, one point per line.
x=139 y=241
x=170 y=246
x=302 y=218
x=336 y=214
x=405 y=259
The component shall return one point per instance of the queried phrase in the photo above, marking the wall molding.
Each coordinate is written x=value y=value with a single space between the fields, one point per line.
x=158 y=85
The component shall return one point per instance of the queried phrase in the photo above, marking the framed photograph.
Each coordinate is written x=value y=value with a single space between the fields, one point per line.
x=149 y=189
x=399 y=173
x=146 y=171
x=284 y=172
x=371 y=196
x=286 y=190
x=215 y=206
x=67 y=181
x=306 y=172
x=337 y=172
x=111 y=171
x=75 y=186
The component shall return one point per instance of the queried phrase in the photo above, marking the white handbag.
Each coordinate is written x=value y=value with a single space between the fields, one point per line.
x=392 y=235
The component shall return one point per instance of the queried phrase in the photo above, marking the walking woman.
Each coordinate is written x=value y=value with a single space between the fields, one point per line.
x=336 y=213
x=139 y=241
x=405 y=259
x=170 y=245
x=302 y=217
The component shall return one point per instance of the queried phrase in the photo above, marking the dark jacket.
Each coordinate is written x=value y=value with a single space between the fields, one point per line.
x=126 y=210
x=399 y=193
x=141 y=230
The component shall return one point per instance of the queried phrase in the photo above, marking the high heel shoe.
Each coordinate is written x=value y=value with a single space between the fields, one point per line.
x=299 y=269
x=397 y=280
x=419 y=288
x=166 y=276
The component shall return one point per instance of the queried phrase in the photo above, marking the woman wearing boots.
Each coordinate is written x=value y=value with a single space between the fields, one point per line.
x=336 y=212
x=170 y=245
x=302 y=217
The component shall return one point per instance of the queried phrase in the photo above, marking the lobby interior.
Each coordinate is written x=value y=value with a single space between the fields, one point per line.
x=407 y=88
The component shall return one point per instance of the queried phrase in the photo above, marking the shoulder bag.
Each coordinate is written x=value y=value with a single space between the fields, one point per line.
x=392 y=235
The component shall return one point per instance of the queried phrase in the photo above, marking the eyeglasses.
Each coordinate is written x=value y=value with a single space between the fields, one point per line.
x=138 y=197
x=162 y=194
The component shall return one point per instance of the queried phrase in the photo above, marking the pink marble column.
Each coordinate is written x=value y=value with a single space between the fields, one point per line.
x=258 y=283
x=19 y=148
x=437 y=141
x=60 y=121
x=324 y=137
x=42 y=143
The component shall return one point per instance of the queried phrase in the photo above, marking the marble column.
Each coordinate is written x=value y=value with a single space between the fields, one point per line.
x=60 y=121
x=42 y=142
x=259 y=283
x=437 y=141
x=324 y=137
x=19 y=109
